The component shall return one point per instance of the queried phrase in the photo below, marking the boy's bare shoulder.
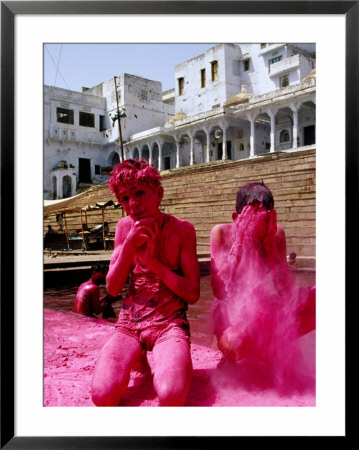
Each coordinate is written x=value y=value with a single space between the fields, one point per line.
x=125 y=222
x=221 y=230
x=182 y=222
x=123 y=225
x=181 y=225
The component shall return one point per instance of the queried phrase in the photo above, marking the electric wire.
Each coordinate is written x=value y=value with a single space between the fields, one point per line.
x=52 y=59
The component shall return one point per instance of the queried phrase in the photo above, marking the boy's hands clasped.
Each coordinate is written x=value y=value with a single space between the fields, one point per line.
x=143 y=237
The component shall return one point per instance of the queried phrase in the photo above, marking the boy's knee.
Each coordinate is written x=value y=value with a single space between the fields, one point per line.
x=172 y=392
x=104 y=397
x=170 y=395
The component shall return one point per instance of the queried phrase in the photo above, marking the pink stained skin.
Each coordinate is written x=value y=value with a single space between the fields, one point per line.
x=158 y=251
x=258 y=313
x=88 y=301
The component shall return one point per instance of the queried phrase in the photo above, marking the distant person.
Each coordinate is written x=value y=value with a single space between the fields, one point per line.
x=88 y=301
x=258 y=310
x=106 y=228
x=50 y=238
x=158 y=253
x=292 y=260
x=50 y=230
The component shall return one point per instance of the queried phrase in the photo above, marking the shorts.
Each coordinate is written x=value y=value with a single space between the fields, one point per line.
x=154 y=335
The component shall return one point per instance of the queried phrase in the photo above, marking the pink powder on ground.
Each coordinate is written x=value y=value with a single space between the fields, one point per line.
x=265 y=311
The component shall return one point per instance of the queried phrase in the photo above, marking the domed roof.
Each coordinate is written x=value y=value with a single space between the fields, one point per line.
x=241 y=97
x=178 y=116
x=311 y=76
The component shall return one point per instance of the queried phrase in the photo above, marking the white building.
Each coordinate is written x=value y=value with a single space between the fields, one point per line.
x=81 y=142
x=232 y=102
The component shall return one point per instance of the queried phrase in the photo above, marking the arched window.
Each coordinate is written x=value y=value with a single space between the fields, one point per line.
x=66 y=186
x=146 y=154
x=115 y=159
x=136 y=153
x=54 y=188
x=284 y=136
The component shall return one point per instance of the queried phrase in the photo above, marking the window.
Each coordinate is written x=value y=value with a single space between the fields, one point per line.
x=263 y=45
x=203 y=78
x=65 y=115
x=214 y=70
x=274 y=60
x=167 y=163
x=284 y=136
x=283 y=81
x=180 y=86
x=87 y=119
x=85 y=170
x=97 y=169
x=246 y=65
x=102 y=123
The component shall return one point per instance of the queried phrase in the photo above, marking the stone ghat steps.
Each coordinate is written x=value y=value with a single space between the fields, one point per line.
x=205 y=195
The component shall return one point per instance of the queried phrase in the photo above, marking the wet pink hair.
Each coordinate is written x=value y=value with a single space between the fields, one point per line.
x=133 y=171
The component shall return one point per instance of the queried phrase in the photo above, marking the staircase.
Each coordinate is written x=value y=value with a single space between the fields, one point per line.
x=205 y=195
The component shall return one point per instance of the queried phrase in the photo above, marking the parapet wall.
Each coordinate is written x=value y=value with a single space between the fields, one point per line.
x=205 y=195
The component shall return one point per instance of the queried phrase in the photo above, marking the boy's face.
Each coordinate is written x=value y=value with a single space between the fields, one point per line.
x=140 y=201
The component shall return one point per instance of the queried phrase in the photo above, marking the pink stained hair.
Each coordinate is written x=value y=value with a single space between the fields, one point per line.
x=133 y=171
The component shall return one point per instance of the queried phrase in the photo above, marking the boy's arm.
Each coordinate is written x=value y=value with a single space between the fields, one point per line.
x=186 y=286
x=129 y=237
x=121 y=260
x=221 y=259
x=281 y=244
x=95 y=299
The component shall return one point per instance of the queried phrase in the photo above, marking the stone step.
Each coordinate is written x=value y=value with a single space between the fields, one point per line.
x=205 y=195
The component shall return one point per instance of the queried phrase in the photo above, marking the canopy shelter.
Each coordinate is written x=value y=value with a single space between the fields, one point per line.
x=79 y=215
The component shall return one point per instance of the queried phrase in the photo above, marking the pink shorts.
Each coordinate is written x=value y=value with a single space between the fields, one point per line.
x=151 y=336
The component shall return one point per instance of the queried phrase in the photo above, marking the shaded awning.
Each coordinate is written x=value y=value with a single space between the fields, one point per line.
x=101 y=205
x=71 y=204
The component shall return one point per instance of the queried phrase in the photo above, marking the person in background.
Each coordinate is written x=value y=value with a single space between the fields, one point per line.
x=250 y=277
x=88 y=301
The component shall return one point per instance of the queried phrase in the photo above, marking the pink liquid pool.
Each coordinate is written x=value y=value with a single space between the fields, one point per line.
x=62 y=298
x=72 y=343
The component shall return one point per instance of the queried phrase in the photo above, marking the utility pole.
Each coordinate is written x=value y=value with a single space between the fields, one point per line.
x=118 y=118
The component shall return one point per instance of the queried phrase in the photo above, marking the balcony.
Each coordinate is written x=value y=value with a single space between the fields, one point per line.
x=73 y=135
x=285 y=65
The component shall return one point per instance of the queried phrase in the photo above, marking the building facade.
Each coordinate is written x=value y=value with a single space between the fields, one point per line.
x=234 y=101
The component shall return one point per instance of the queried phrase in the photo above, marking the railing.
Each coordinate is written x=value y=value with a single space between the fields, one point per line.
x=76 y=97
x=284 y=65
x=73 y=135
x=278 y=93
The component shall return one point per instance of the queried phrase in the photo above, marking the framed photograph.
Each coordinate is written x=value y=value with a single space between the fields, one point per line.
x=25 y=28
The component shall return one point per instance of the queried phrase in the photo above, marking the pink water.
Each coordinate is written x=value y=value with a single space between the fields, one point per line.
x=62 y=298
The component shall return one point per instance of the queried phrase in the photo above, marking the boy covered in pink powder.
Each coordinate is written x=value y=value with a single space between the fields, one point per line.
x=88 y=301
x=158 y=253
x=257 y=309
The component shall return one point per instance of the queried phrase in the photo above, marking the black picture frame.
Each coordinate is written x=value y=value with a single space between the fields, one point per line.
x=9 y=9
